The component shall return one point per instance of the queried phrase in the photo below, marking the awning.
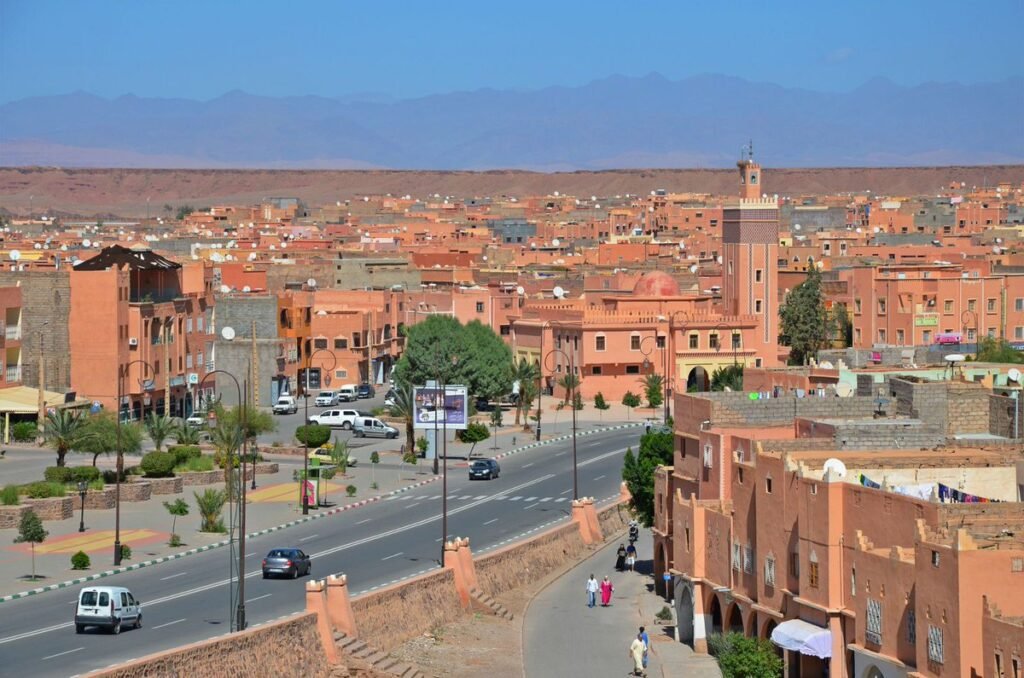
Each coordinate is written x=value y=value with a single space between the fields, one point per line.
x=800 y=636
x=25 y=400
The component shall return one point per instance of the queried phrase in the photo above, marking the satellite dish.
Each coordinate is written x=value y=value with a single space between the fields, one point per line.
x=844 y=390
x=796 y=227
x=225 y=289
x=37 y=246
x=247 y=289
x=520 y=290
x=311 y=282
x=14 y=255
x=228 y=333
x=835 y=466
x=86 y=243
x=682 y=245
x=1013 y=374
x=252 y=256
x=693 y=268
x=955 y=358
x=556 y=242
x=558 y=292
x=217 y=256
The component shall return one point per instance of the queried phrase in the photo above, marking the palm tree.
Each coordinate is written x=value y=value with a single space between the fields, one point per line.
x=227 y=437
x=525 y=372
x=62 y=431
x=653 y=384
x=403 y=409
x=210 y=503
x=527 y=394
x=569 y=382
x=186 y=435
x=159 y=428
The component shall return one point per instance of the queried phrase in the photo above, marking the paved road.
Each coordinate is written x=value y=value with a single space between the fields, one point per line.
x=188 y=599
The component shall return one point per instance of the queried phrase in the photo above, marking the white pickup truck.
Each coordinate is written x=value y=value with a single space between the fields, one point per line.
x=335 y=418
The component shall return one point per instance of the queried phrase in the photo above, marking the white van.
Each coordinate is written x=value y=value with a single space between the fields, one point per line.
x=373 y=428
x=348 y=393
x=107 y=607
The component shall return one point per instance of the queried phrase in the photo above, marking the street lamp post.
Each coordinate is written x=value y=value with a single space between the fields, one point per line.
x=304 y=493
x=83 y=487
x=121 y=374
x=444 y=463
x=540 y=377
x=239 y=611
x=664 y=366
x=572 y=405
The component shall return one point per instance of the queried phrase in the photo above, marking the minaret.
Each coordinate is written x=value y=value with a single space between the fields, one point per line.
x=750 y=175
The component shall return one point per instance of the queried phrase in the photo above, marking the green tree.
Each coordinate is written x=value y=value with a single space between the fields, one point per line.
x=630 y=400
x=178 y=507
x=186 y=435
x=63 y=430
x=525 y=372
x=403 y=409
x=739 y=656
x=210 y=503
x=638 y=471
x=184 y=211
x=600 y=405
x=430 y=347
x=527 y=395
x=570 y=382
x=496 y=421
x=486 y=369
x=474 y=433
x=30 y=531
x=227 y=438
x=993 y=350
x=159 y=428
x=313 y=435
x=653 y=385
x=99 y=436
x=805 y=325
x=730 y=376
x=374 y=460
x=843 y=325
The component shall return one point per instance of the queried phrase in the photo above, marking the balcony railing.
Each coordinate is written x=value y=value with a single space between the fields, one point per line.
x=12 y=332
x=13 y=373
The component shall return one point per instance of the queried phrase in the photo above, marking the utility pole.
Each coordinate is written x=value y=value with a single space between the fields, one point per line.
x=255 y=370
x=41 y=417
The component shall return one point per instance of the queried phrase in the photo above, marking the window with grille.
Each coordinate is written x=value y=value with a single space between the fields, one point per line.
x=340 y=343
x=812 y=575
x=634 y=343
x=873 y=629
x=911 y=627
x=694 y=341
x=769 y=571
x=736 y=555
x=599 y=342
x=935 y=644
x=748 y=559
x=319 y=343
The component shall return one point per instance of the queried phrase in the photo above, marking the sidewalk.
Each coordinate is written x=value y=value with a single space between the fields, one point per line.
x=563 y=637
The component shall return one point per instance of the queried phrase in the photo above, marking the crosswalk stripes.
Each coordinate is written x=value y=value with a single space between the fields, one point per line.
x=468 y=497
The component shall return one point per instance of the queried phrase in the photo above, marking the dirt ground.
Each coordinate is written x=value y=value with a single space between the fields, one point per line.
x=479 y=644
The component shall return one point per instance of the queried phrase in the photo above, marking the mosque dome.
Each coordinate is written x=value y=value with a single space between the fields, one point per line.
x=656 y=284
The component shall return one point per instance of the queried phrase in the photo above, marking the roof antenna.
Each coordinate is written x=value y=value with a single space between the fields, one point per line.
x=750 y=149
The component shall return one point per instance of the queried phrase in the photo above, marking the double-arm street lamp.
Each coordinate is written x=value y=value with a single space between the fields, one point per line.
x=540 y=375
x=441 y=405
x=304 y=493
x=733 y=338
x=239 y=608
x=122 y=373
x=664 y=364
x=573 y=380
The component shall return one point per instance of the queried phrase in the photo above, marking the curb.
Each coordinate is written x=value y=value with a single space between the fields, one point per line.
x=298 y=521
x=209 y=547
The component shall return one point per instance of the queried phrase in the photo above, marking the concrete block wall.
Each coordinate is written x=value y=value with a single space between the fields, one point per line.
x=239 y=311
x=738 y=409
x=1001 y=416
x=951 y=407
x=234 y=357
x=967 y=408
x=45 y=298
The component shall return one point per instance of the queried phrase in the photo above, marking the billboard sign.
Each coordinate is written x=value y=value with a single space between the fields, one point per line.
x=427 y=410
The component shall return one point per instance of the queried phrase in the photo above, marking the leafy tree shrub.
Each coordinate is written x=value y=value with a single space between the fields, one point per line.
x=44 y=490
x=24 y=431
x=374 y=486
x=664 y=614
x=30 y=531
x=210 y=503
x=630 y=400
x=638 y=471
x=350 y=490
x=110 y=476
x=57 y=474
x=158 y=465
x=178 y=507
x=182 y=453
x=71 y=474
x=9 y=495
x=600 y=405
x=739 y=656
x=175 y=541
x=422 y=444
x=474 y=433
x=197 y=464
x=804 y=323
x=313 y=435
x=126 y=552
x=97 y=484
x=80 y=561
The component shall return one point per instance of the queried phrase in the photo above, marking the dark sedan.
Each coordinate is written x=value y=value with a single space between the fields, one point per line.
x=485 y=469
x=288 y=562
x=365 y=391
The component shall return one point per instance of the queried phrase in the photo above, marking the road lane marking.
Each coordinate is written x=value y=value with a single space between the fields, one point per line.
x=180 y=574
x=393 y=555
x=531 y=505
x=531 y=499
x=544 y=500
x=566 y=492
x=364 y=521
x=414 y=505
x=312 y=536
x=514 y=498
x=599 y=477
x=478 y=498
x=265 y=595
x=176 y=621
x=492 y=520
x=528 y=465
x=61 y=654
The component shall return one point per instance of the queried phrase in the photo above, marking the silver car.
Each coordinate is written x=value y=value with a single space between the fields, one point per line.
x=288 y=562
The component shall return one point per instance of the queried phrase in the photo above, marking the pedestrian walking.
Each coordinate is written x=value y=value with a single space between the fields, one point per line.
x=606 y=592
x=620 y=558
x=647 y=644
x=631 y=557
x=636 y=653
x=592 y=588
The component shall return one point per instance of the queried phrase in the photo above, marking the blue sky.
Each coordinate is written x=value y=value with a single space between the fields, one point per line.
x=201 y=49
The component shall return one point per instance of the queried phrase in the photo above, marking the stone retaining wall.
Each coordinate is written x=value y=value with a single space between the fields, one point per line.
x=614 y=519
x=136 y=491
x=284 y=648
x=393 y=615
x=98 y=499
x=519 y=564
x=165 y=485
x=190 y=478
x=52 y=508
x=10 y=516
x=267 y=467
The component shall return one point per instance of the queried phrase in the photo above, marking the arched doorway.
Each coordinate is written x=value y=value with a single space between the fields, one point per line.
x=660 y=567
x=766 y=633
x=684 y=615
x=698 y=380
x=735 y=619
x=715 y=611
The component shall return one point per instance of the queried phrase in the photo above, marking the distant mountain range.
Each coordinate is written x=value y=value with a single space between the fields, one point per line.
x=617 y=122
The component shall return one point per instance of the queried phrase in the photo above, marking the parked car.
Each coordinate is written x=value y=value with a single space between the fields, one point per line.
x=348 y=393
x=107 y=607
x=326 y=399
x=365 y=391
x=371 y=427
x=289 y=562
x=390 y=398
x=324 y=455
x=335 y=418
x=286 y=405
x=197 y=420
x=486 y=469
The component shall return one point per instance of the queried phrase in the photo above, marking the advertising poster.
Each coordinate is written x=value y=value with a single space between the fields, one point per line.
x=429 y=412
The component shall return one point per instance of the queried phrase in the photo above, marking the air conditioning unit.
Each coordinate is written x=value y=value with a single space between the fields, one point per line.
x=133 y=341
x=708 y=456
